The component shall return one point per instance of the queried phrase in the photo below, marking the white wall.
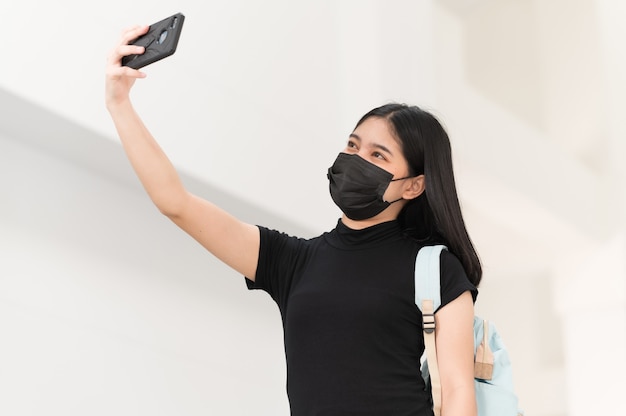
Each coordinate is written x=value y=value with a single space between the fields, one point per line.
x=106 y=308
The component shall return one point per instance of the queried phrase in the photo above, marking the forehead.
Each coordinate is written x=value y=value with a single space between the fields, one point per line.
x=377 y=130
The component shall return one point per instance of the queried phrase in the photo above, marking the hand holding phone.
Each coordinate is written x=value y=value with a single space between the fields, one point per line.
x=159 y=42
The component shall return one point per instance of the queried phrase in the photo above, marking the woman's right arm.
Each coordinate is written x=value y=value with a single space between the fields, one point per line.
x=232 y=241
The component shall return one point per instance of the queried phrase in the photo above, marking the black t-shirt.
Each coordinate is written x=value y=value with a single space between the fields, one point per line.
x=353 y=334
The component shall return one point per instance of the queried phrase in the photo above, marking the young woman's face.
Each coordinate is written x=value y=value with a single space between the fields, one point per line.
x=373 y=141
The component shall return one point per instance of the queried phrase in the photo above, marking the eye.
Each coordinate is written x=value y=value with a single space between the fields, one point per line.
x=352 y=145
x=379 y=155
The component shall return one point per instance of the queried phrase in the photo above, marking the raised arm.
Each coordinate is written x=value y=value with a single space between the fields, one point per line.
x=232 y=241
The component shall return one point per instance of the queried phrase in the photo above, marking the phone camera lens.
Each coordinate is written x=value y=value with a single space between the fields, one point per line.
x=162 y=37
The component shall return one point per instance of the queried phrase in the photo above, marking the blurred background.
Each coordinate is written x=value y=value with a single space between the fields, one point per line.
x=107 y=308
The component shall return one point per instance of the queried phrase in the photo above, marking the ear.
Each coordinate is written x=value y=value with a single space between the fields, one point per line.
x=415 y=187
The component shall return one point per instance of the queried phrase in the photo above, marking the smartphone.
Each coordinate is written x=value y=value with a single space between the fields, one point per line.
x=160 y=42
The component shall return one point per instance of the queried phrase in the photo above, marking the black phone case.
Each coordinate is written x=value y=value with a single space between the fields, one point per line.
x=160 y=42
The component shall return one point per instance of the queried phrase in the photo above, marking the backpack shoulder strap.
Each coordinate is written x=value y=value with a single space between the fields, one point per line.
x=427 y=276
x=428 y=299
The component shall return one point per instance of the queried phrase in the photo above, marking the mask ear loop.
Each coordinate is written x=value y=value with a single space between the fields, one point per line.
x=400 y=179
x=393 y=202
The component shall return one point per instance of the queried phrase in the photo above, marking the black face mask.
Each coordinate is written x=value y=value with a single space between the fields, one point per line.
x=357 y=186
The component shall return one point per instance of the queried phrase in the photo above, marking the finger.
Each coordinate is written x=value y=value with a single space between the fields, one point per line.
x=133 y=33
x=133 y=73
x=129 y=28
x=129 y=34
x=125 y=71
x=123 y=50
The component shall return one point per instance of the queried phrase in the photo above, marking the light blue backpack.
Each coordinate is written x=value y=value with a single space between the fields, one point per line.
x=493 y=378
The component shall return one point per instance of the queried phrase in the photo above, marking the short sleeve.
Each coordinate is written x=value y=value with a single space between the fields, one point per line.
x=454 y=280
x=279 y=254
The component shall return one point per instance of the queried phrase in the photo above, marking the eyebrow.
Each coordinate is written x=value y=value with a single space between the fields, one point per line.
x=376 y=145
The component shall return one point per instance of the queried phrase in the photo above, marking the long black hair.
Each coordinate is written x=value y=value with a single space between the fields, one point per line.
x=435 y=216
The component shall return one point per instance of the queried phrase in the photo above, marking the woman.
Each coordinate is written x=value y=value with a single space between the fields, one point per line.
x=353 y=336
